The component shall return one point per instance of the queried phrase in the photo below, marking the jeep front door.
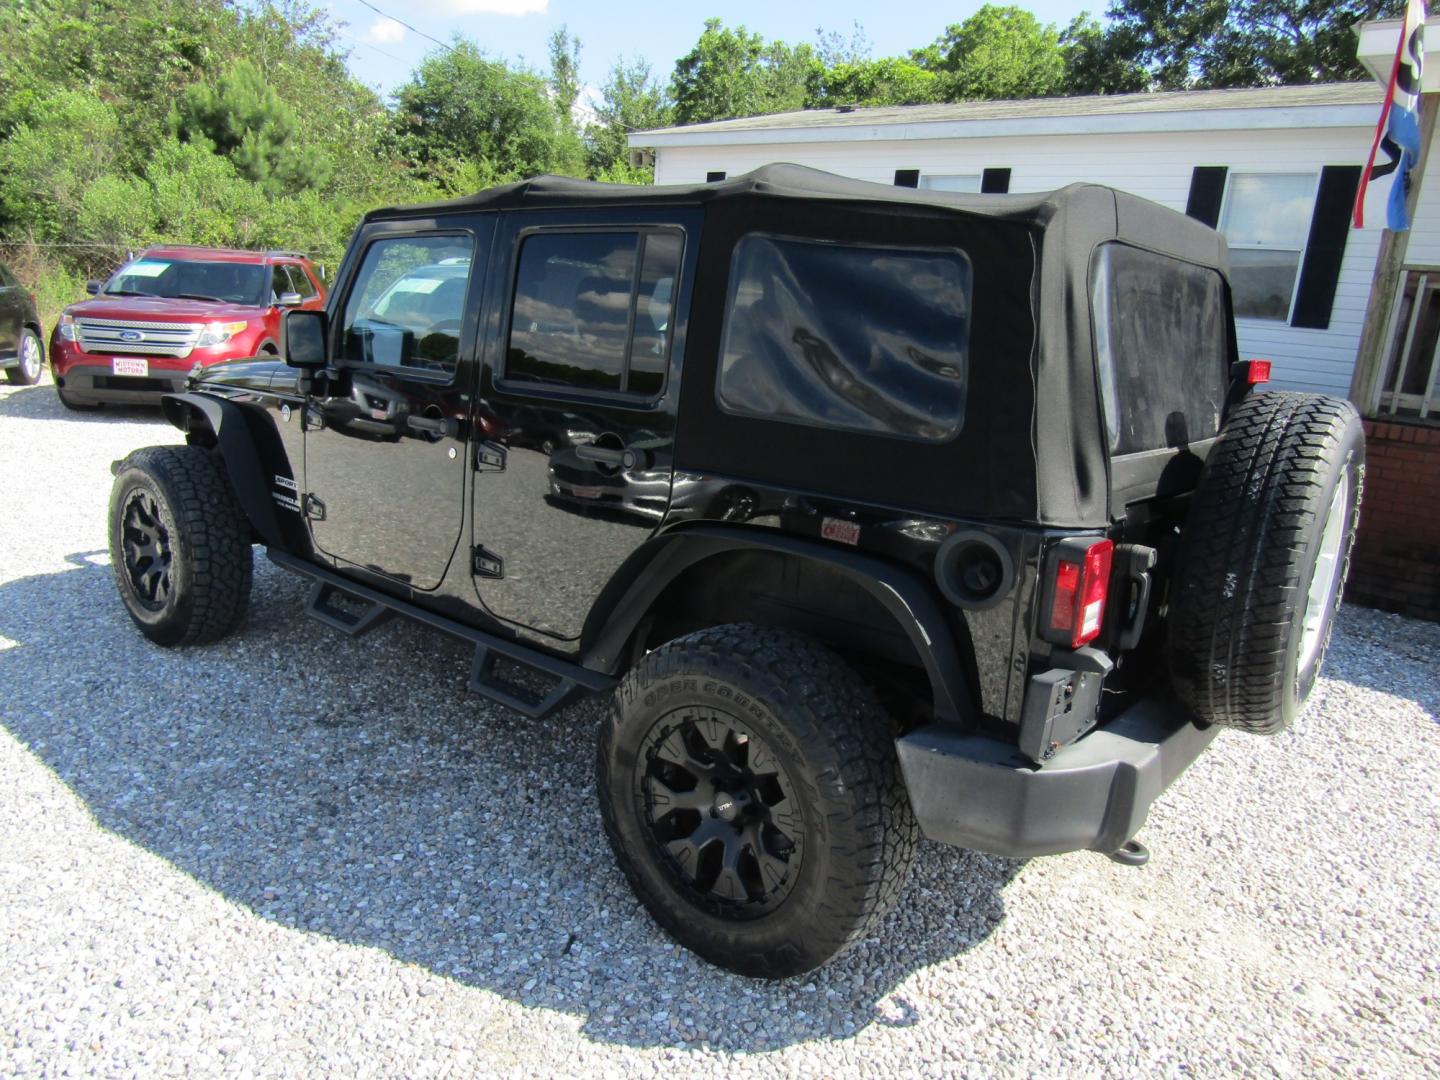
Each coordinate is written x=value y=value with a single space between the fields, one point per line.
x=385 y=439
x=577 y=410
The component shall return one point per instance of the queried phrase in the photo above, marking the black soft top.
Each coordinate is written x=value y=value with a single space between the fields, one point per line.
x=800 y=182
x=1034 y=445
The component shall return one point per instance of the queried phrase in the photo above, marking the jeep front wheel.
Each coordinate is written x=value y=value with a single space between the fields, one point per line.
x=749 y=786
x=179 y=545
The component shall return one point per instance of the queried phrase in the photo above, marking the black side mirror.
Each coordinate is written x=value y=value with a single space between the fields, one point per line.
x=94 y=287
x=305 y=333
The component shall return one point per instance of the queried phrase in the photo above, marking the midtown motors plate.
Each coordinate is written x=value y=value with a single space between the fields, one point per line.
x=130 y=365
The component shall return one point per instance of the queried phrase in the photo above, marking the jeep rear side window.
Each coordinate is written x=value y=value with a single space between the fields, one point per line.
x=869 y=339
x=407 y=304
x=593 y=311
x=1162 y=346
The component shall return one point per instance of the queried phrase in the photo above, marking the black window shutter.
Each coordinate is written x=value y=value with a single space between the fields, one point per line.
x=995 y=181
x=907 y=178
x=1207 y=188
x=1329 y=229
x=712 y=177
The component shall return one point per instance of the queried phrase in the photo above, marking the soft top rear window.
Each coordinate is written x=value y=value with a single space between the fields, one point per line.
x=1162 y=342
x=859 y=338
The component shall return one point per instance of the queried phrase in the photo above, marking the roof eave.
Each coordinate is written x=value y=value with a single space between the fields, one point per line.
x=1268 y=118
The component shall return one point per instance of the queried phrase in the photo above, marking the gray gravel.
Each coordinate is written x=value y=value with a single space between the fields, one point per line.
x=290 y=854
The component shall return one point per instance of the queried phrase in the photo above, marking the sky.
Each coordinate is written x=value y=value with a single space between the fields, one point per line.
x=384 y=52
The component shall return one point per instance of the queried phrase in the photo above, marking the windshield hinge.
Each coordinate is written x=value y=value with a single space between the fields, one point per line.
x=487 y=564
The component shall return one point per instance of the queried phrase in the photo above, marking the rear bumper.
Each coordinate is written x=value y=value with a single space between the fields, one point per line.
x=977 y=792
x=92 y=384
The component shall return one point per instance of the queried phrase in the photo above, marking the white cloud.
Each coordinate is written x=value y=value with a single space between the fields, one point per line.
x=385 y=32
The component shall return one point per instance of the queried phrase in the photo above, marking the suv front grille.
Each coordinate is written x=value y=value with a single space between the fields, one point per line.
x=155 y=338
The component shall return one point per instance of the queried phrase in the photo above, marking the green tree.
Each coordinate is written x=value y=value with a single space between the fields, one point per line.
x=244 y=119
x=732 y=73
x=630 y=100
x=564 y=72
x=999 y=52
x=1219 y=43
x=1100 y=62
x=891 y=80
x=461 y=107
x=65 y=141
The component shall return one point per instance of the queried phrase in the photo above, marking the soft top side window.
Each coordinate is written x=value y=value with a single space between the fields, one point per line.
x=857 y=338
x=1162 y=346
x=593 y=310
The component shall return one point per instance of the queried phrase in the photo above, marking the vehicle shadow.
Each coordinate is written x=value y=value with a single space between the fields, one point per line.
x=39 y=402
x=353 y=789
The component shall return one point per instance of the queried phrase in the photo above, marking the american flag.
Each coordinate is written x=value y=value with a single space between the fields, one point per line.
x=1398 y=132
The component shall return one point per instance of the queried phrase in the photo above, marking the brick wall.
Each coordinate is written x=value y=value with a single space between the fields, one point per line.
x=1396 y=562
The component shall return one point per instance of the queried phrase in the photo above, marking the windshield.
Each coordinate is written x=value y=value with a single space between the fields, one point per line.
x=230 y=282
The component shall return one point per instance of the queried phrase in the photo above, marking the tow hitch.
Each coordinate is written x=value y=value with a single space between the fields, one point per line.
x=1131 y=853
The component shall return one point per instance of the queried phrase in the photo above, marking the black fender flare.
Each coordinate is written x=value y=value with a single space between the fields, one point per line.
x=236 y=442
x=909 y=600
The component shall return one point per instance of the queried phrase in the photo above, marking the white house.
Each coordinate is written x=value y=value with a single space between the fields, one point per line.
x=1275 y=169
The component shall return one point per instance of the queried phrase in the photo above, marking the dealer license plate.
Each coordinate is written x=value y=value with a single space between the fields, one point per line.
x=585 y=492
x=130 y=365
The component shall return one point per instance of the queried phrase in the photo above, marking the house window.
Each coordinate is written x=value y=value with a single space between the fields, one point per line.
x=1266 y=219
x=966 y=182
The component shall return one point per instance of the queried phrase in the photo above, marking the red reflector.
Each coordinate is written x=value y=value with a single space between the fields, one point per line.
x=1257 y=372
x=1067 y=590
x=1078 y=607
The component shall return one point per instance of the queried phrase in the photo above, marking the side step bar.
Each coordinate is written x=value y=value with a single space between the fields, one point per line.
x=330 y=591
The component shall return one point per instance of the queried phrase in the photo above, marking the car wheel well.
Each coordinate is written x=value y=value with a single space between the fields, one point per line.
x=803 y=595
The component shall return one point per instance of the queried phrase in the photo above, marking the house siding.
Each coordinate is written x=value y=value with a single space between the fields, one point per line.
x=1156 y=166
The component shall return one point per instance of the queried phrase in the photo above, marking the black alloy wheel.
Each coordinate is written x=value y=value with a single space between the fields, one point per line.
x=147 y=551
x=749 y=787
x=721 y=813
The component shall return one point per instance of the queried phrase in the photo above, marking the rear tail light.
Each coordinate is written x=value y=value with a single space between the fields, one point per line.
x=1082 y=582
x=1250 y=372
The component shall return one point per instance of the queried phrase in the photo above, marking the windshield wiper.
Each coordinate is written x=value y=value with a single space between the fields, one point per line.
x=199 y=296
x=126 y=292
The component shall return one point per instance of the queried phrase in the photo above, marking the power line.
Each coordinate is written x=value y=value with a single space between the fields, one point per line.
x=402 y=22
x=372 y=48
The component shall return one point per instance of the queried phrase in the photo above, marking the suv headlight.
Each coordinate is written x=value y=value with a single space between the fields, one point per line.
x=67 y=327
x=217 y=333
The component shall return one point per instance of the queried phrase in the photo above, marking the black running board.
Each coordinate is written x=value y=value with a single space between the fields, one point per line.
x=326 y=602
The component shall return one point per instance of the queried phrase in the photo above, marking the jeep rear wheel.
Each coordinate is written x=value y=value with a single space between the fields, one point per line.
x=1264 y=557
x=750 y=789
x=179 y=545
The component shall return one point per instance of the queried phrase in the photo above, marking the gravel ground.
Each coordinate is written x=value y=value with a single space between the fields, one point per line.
x=291 y=854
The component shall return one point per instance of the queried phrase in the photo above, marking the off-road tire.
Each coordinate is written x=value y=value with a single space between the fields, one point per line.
x=836 y=745
x=1249 y=553
x=204 y=534
x=31 y=351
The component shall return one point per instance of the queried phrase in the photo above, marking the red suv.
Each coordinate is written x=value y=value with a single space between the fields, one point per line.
x=167 y=311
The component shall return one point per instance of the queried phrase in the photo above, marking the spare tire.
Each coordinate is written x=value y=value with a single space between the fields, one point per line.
x=1263 y=558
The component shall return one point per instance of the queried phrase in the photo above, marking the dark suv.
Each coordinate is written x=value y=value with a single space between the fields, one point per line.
x=22 y=357
x=169 y=309
x=876 y=512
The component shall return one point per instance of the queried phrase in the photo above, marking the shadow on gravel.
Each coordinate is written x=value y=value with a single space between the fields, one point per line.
x=40 y=403
x=353 y=789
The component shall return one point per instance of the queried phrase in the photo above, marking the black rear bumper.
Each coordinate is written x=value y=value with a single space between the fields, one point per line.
x=977 y=792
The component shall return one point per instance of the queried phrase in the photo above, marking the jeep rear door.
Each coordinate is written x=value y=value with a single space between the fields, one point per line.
x=576 y=413
x=385 y=442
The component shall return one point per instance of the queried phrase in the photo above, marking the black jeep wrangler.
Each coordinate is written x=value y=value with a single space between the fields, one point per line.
x=877 y=513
